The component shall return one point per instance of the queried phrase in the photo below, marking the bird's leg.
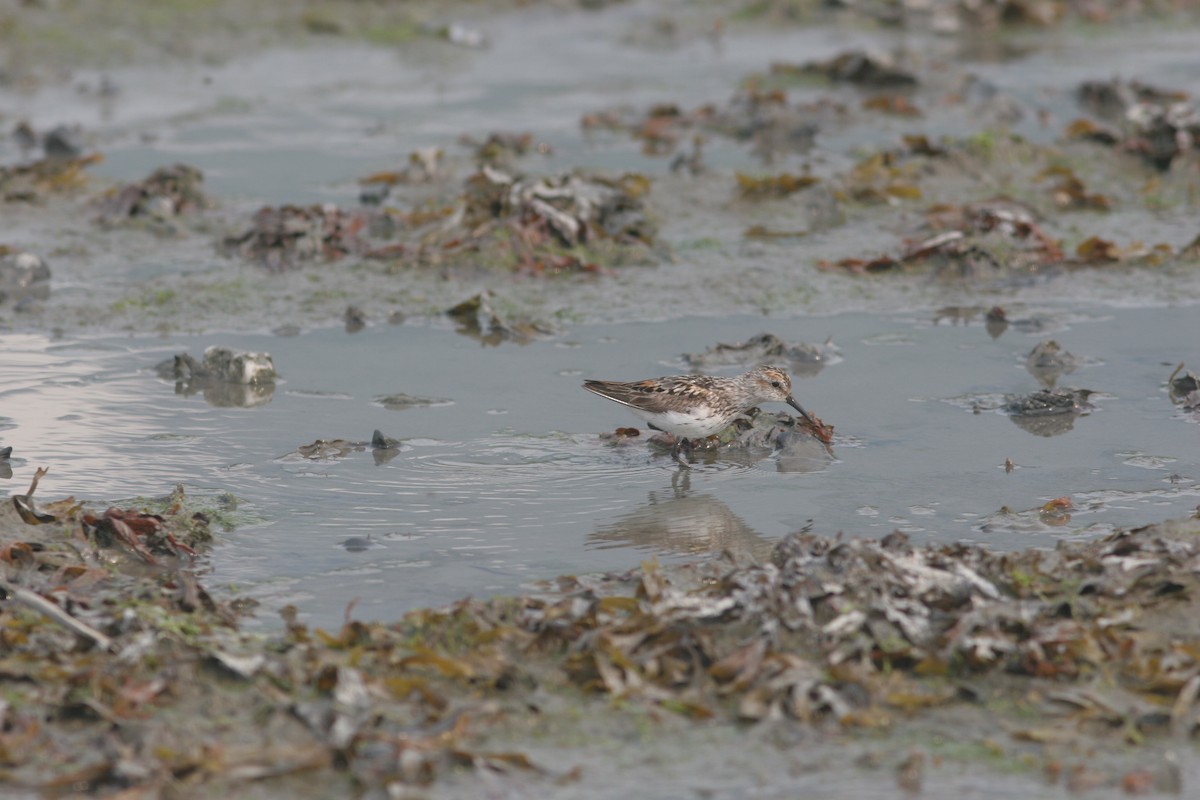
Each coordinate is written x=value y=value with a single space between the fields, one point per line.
x=681 y=443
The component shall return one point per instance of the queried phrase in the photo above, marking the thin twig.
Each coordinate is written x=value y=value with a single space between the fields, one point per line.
x=1178 y=369
x=42 y=605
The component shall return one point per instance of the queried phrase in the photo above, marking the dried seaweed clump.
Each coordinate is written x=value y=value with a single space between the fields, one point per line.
x=116 y=683
x=756 y=115
x=1159 y=125
x=766 y=348
x=30 y=183
x=168 y=192
x=574 y=223
x=860 y=630
x=569 y=223
x=283 y=237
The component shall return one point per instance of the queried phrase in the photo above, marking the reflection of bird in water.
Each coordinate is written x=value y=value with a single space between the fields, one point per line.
x=690 y=524
x=697 y=406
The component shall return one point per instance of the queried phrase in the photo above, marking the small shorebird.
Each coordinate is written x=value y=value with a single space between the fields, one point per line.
x=697 y=406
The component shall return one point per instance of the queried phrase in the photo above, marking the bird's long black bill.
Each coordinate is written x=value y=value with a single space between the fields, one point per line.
x=791 y=401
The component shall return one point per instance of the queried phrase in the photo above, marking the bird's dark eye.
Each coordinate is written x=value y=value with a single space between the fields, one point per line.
x=777 y=384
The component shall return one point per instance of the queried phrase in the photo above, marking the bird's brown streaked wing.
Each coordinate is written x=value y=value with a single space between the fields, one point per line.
x=646 y=394
x=611 y=390
x=629 y=394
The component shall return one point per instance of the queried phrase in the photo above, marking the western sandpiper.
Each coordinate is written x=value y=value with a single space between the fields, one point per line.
x=697 y=406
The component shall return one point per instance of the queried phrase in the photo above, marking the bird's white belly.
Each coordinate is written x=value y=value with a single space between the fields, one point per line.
x=696 y=423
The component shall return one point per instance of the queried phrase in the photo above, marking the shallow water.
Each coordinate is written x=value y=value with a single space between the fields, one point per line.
x=510 y=483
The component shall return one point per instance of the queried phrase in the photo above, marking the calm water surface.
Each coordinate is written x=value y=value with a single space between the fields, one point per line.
x=508 y=482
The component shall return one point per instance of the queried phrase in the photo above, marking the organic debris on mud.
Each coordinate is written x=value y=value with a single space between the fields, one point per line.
x=424 y=166
x=1159 y=125
x=772 y=186
x=226 y=377
x=897 y=105
x=755 y=435
x=1049 y=403
x=113 y=642
x=1048 y=412
x=972 y=240
x=849 y=628
x=1184 y=389
x=476 y=318
x=30 y=183
x=502 y=150
x=283 y=237
x=766 y=349
x=63 y=547
x=569 y=223
x=167 y=193
x=881 y=178
x=854 y=66
x=621 y=436
x=1042 y=519
x=24 y=504
x=759 y=116
x=221 y=364
x=1001 y=237
x=1069 y=192
x=995 y=319
x=61 y=141
x=145 y=535
x=383 y=448
x=401 y=401
x=355 y=319
x=329 y=449
x=998 y=321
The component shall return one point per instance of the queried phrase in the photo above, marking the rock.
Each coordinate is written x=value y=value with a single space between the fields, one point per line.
x=23 y=276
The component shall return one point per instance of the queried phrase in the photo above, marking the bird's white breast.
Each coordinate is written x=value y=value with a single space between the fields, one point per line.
x=695 y=423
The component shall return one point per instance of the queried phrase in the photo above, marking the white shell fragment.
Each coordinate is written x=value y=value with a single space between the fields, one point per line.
x=242 y=368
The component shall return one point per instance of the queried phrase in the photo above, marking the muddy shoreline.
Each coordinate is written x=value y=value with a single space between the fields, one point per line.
x=690 y=207
x=924 y=667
